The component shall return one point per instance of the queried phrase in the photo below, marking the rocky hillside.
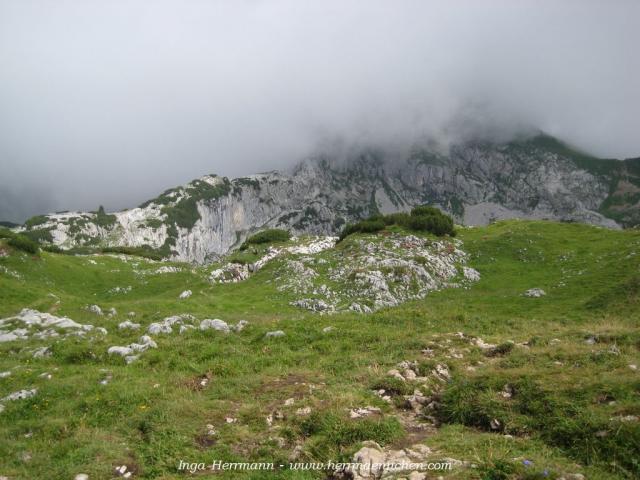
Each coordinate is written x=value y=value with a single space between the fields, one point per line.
x=538 y=178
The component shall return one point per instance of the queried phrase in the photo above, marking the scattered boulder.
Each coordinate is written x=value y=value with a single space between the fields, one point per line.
x=128 y=352
x=185 y=294
x=128 y=325
x=34 y=324
x=276 y=333
x=238 y=327
x=158 y=328
x=184 y=328
x=95 y=309
x=19 y=395
x=122 y=351
x=215 y=324
x=42 y=352
x=535 y=293
x=131 y=358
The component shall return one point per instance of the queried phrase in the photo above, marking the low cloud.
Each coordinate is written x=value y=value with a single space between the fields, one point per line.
x=111 y=102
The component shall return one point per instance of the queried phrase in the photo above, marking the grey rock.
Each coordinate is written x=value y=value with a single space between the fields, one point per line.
x=276 y=333
x=535 y=293
x=215 y=324
x=321 y=193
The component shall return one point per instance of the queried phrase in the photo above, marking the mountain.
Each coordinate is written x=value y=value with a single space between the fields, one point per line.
x=476 y=182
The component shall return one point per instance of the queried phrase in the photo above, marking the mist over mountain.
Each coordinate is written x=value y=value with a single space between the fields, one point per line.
x=110 y=102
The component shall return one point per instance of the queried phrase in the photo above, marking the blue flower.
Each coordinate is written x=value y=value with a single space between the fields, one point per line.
x=527 y=463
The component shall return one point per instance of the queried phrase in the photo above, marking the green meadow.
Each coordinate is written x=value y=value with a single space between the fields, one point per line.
x=567 y=357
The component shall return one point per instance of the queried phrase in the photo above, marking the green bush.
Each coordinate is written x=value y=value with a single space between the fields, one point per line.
x=422 y=210
x=37 y=220
x=271 y=235
x=400 y=218
x=421 y=219
x=20 y=242
x=103 y=219
x=144 y=251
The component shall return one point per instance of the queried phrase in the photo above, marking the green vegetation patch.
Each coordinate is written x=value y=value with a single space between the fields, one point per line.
x=423 y=218
x=272 y=235
x=184 y=213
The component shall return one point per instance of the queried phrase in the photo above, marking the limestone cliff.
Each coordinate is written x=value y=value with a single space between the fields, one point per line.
x=475 y=182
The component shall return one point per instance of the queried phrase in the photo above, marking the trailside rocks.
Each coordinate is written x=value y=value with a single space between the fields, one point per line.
x=34 y=324
x=374 y=462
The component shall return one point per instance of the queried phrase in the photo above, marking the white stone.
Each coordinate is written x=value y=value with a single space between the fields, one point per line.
x=276 y=333
x=122 y=351
x=95 y=309
x=535 y=293
x=20 y=395
x=128 y=325
x=214 y=324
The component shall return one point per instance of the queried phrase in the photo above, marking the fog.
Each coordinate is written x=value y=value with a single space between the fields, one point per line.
x=111 y=102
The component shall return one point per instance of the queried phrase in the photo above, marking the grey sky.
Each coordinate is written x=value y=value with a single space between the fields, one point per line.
x=110 y=102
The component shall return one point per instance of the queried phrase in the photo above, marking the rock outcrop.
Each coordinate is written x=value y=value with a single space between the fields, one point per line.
x=539 y=178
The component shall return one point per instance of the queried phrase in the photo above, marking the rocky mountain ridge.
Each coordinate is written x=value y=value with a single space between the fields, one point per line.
x=535 y=178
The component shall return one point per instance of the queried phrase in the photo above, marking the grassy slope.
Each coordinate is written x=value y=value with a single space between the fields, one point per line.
x=152 y=413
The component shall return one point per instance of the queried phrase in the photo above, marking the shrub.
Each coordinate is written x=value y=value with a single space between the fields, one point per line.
x=104 y=220
x=271 y=235
x=20 y=242
x=369 y=225
x=421 y=219
x=37 y=220
x=144 y=251
x=422 y=210
x=400 y=218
